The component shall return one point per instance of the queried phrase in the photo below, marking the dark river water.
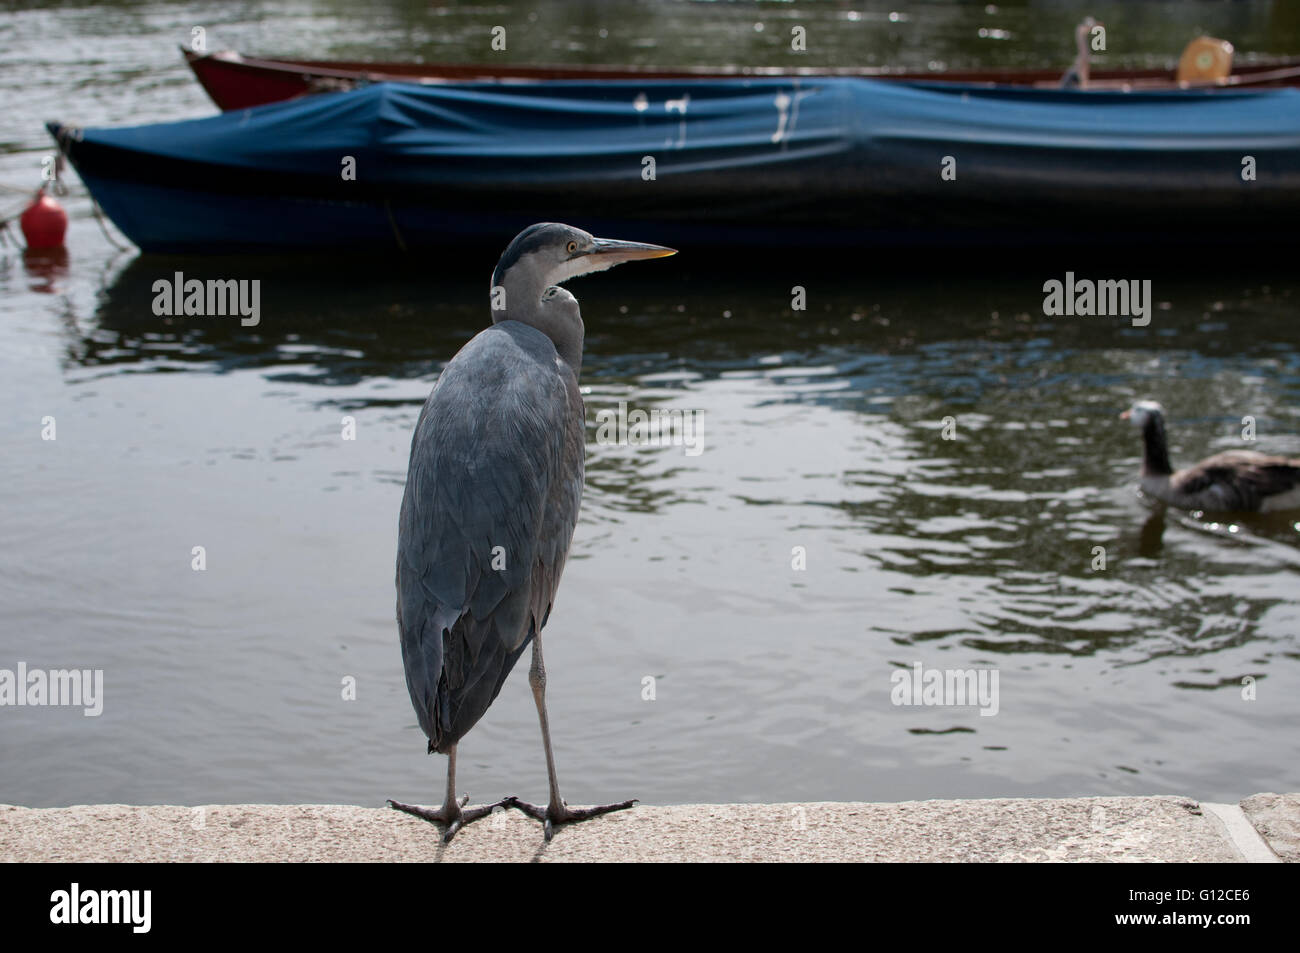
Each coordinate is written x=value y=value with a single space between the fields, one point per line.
x=822 y=443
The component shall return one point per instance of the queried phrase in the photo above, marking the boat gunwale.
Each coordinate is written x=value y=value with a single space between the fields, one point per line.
x=1281 y=72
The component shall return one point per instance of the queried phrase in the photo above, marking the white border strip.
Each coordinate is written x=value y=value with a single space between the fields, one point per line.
x=1242 y=834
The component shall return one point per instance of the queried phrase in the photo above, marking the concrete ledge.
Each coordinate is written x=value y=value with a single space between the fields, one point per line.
x=1277 y=819
x=1070 y=829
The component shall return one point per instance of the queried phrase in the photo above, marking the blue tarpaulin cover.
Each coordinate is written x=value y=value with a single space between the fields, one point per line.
x=843 y=157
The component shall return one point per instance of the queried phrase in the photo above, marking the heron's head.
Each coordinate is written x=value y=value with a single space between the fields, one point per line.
x=1143 y=412
x=1083 y=32
x=545 y=255
x=525 y=284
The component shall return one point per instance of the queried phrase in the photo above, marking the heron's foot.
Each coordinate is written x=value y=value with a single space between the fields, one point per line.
x=553 y=815
x=453 y=815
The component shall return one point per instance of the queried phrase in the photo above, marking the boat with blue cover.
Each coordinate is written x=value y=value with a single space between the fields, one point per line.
x=820 y=160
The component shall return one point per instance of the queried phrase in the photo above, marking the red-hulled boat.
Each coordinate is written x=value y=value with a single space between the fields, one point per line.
x=235 y=81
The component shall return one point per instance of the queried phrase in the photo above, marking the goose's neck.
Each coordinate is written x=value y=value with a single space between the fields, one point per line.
x=1155 y=456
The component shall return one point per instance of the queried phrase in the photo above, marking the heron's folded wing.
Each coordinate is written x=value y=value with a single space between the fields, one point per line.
x=492 y=495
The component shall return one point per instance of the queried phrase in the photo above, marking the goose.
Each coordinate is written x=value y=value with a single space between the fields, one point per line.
x=1233 y=481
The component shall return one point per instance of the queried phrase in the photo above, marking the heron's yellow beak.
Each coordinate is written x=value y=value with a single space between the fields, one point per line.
x=606 y=253
x=616 y=252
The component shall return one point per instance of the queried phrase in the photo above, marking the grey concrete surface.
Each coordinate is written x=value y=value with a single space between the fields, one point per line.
x=1137 y=829
x=1277 y=818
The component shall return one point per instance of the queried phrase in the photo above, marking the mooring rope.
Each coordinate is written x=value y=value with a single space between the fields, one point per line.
x=66 y=135
x=103 y=226
x=7 y=235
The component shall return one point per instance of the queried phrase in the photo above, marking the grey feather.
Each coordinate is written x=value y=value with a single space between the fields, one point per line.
x=494 y=482
x=496 y=461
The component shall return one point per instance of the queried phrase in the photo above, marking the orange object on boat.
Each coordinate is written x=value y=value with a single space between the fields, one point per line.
x=1205 y=60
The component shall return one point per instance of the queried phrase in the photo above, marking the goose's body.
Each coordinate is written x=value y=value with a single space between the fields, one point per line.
x=1232 y=481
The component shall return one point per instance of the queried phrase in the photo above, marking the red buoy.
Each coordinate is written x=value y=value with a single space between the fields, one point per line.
x=44 y=222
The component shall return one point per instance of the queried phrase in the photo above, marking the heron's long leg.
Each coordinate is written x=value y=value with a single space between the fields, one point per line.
x=453 y=813
x=557 y=812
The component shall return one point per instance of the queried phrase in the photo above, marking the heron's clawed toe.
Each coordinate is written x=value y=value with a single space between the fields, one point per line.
x=552 y=816
x=454 y=815
x=439 y=816
x=532 y=810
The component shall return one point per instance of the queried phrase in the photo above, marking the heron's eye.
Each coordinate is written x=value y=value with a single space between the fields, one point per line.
x=572 y=247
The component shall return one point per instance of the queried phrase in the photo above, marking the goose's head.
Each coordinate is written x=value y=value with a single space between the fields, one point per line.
x=1143 y=412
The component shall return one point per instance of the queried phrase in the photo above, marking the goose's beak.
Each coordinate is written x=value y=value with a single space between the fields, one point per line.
x=1126 y=415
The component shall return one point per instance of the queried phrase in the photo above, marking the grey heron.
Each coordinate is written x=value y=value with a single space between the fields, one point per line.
x=1077 y=75
x=492 y=495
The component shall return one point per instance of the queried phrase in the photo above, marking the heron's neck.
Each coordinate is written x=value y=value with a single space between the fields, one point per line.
x=1081 y=61
x=1155 y=448
x=564 y=327
x=551 y=310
